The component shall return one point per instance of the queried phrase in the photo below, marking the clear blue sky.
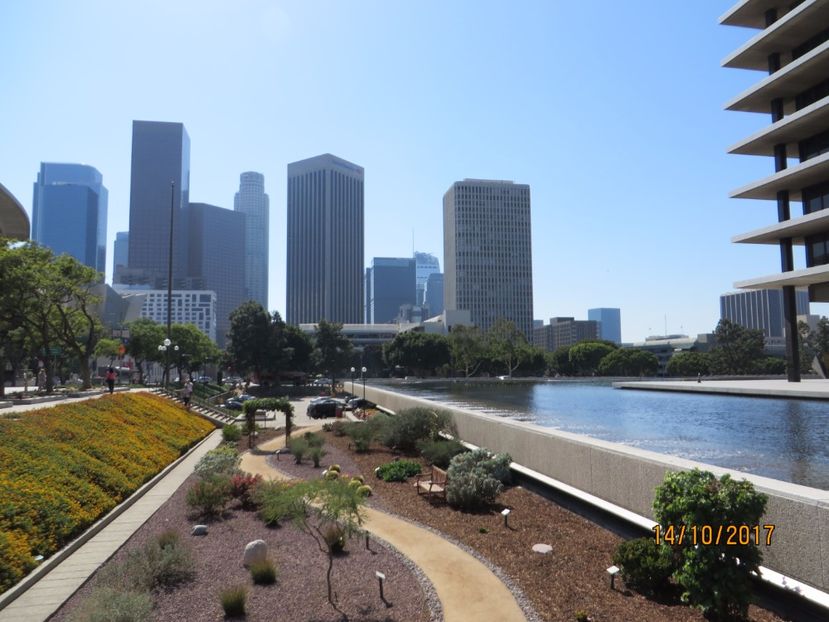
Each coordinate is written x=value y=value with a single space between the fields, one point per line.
x=611 y=111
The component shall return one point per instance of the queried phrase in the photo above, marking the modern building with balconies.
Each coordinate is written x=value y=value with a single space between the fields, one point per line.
x=792 y=47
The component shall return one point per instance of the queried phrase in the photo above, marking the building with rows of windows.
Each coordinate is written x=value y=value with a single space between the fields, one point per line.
x=791 y=47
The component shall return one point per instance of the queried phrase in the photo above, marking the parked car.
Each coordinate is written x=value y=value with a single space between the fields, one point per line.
x=324 y=407
x=359 y=402
x=205 y=379
x=236 y=403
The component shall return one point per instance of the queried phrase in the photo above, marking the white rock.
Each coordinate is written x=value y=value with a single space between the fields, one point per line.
x=256 y=551
x=199 y=530
x=542 y=548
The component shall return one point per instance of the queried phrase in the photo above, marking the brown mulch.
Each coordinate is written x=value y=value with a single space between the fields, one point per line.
x=300 y=593
x=571 y=579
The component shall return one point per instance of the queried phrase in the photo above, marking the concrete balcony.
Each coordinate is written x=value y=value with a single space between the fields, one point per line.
x=793 y=179
x=796 y=278
x=804 y=123
x=792 y=79
x=798 y=25
x=796 y=229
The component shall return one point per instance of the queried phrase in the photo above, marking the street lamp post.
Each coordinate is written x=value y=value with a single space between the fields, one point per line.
x=352 y=379
x=363 y=371
x=165 y=345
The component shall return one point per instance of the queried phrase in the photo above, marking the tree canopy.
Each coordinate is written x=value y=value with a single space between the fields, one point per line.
x=737 y=350
x=421 y=352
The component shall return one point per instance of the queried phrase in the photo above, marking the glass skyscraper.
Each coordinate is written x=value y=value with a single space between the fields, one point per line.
x=69 y=212
x=392 y=286
x=120 y=255
x=325 y=241
x=426 y=264
x=252 y=201
x=160 y=157
x=610 y=323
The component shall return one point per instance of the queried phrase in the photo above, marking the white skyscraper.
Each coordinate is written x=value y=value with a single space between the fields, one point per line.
x=487 y=252
x=252 y=201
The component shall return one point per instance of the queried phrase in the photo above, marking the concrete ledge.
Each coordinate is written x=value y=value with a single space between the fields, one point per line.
x=627 y=477
x=780 y=389
x=42 y=399
x=47 y=566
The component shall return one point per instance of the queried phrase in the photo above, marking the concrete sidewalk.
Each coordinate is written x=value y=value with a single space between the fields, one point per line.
x=467 y=589
x=48 y=594
x=812 y=388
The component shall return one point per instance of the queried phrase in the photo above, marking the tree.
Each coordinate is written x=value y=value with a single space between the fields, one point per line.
x=194 y=348
x=418 y=351
x=715 y=575
x=688 y=364
x=332 y=349
x=507 y=345
x=249 y=338
x=145 y=337
x=466 y=349
x=737 y=349
x=628 y=362
x=107 y=348
x=558 y=362
x=586 y=356
x=813 y=343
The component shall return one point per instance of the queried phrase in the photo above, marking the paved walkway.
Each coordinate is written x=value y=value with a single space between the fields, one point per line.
x=47 y=595
x=809 y=389
x=468 y=590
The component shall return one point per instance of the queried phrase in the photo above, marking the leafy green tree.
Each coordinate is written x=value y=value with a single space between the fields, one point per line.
x=688 y=364
x=107 y=348
x=738 y=349
x=332 y=349
x=715 y=577
x=586 y=356
x=249 y=338
x=558 y=362
x=628 y=362
x=466 y=349
x=145 y=337
x=194 y=348
x=299 y=345
x=814 y=343
x=507 y=345
x=418 y=351
x=535 y=361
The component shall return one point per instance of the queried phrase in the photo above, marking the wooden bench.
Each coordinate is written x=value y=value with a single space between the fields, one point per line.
x=432 y=483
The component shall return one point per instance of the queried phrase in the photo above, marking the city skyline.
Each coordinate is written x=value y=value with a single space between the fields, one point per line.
x=659 y=118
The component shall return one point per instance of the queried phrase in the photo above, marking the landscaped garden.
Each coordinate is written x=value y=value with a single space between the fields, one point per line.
x=64 y=467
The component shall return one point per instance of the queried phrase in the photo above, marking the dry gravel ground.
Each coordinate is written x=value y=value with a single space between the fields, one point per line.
x=571 y=579
x=300 y=593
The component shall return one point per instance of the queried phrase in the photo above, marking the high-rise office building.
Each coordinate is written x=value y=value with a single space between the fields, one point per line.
x=197 y=307
x=425 y=264
x=160 y=176
x=392 y=285
x=434 y=294
x=217 y=258
x=69 y=212
x=121 y=253
x=564 y=331
x=487 y=252
x=252 y=201
x=325 y=241
x=761 y=309
x=792 y=47
x=610 y=323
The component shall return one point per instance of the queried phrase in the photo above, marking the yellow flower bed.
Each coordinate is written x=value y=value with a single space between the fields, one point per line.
x=62 y=468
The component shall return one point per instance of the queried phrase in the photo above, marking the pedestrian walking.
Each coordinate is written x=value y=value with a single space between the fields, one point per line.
x=187 y=392
x=110 y=379
x=41 y=380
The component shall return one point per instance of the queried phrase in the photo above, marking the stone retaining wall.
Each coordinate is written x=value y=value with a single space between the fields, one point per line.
x=628 y=477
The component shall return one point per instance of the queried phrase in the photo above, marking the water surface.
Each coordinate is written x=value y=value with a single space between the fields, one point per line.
x=779 y=438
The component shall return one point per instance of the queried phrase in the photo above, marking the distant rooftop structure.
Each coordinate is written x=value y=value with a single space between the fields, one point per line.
x=14 y=222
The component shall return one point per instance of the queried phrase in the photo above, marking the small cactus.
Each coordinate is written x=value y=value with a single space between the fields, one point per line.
x=355 y=484
x=331 y=475
x=364 y=491
x=359 y=478
x=334 y=467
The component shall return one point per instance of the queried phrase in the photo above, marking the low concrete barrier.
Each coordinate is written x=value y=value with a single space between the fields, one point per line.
x=627 y=477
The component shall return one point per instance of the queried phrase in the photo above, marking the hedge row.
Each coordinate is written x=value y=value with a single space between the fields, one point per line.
x=62 y=468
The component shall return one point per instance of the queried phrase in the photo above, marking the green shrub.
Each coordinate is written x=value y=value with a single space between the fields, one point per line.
x=476 y=478
x=223 y=460
x=233 y=601
x=582 y=616
x=398 y=471
x=168 y=537
x=263 y=572
x=328 y=426
x=277 y=501
x=210 y=495
x=316 y=454
x=298 y=448
x=313 y=439
x=404 y=430
x=364 y=491
x=106 y=604
x=710 y=575
x=361 y=434
x=334 y=537
x=338 y=428
x=164 y=562
x=440 y=452
x=242 y=487
x=645 y=566
x=231 y=433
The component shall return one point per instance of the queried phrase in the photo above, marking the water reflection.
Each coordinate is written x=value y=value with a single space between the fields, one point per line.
x=783 y=439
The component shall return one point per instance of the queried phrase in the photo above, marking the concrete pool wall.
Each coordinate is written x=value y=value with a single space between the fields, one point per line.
x=627 y=477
